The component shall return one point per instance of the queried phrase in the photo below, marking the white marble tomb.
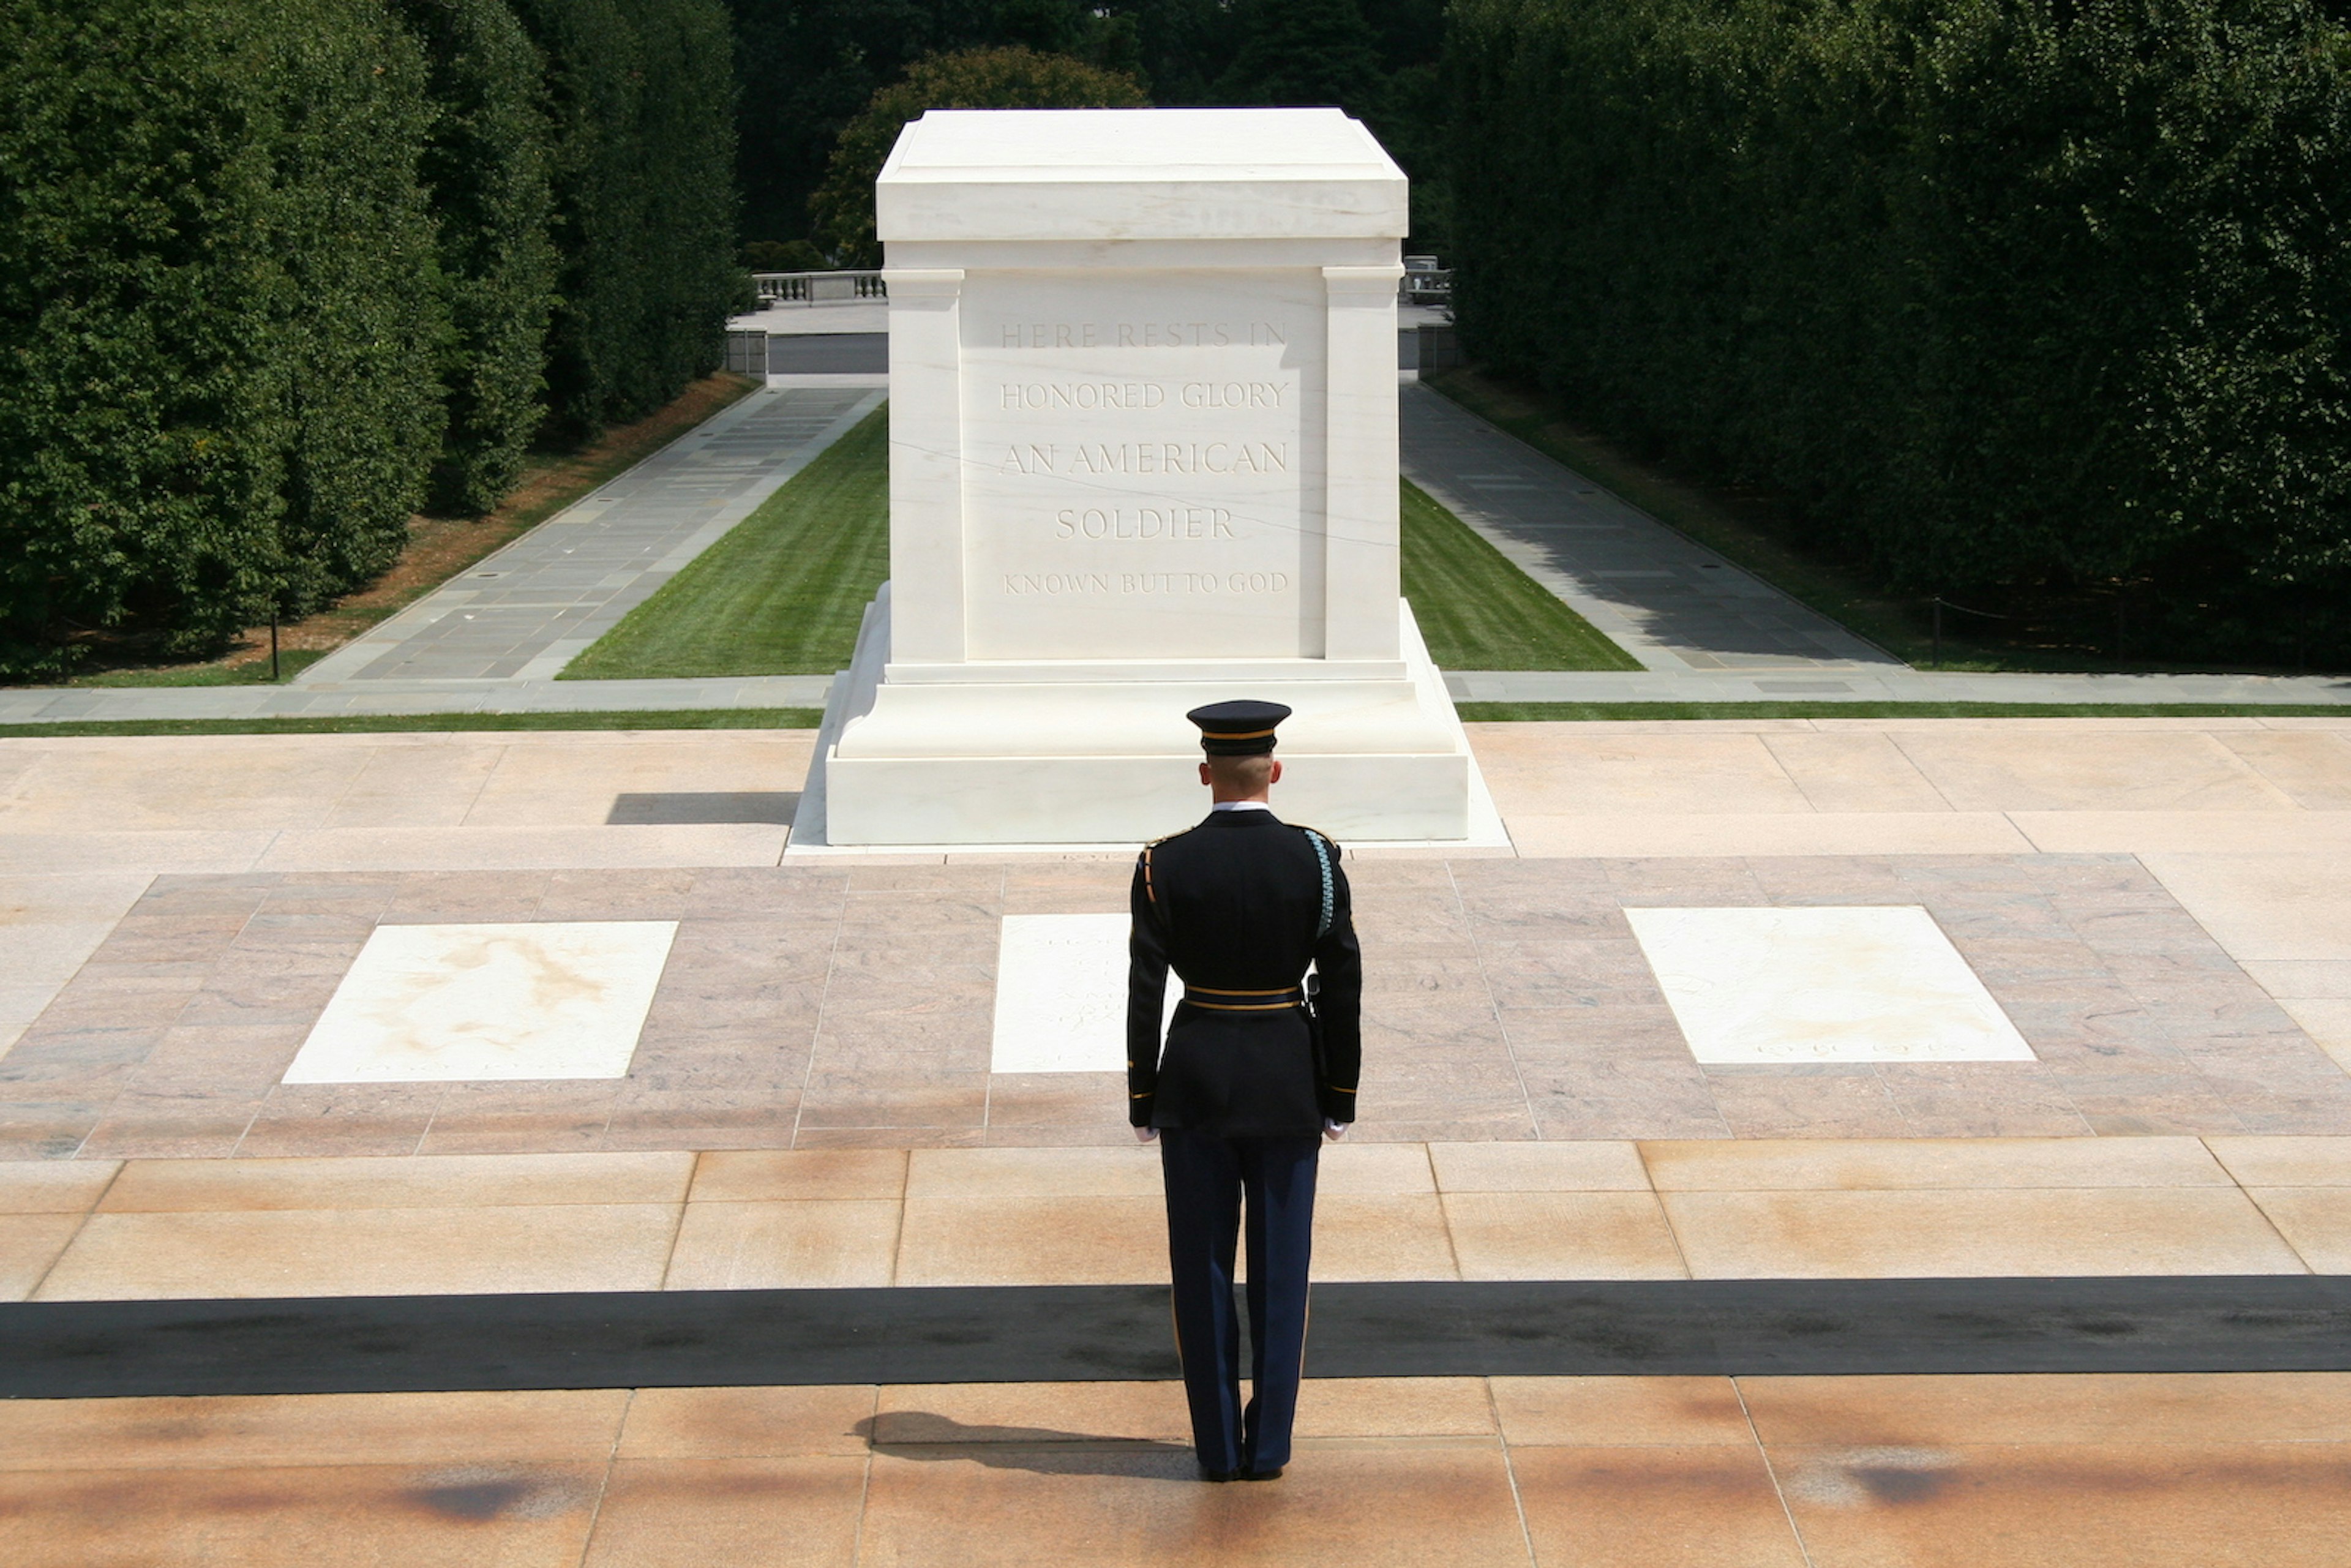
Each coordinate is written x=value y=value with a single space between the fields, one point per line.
x=1142 y=456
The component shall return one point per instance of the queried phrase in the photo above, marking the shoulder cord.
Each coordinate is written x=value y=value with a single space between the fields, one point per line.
x=1330 y=893
x=1151 y=892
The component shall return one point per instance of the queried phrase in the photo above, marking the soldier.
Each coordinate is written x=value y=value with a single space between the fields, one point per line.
x=1255 y=1073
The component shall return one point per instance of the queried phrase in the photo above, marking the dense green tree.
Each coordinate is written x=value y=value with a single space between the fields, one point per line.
x=688 y=239
x=1183 y=47
x=2009 y=294
x=1408 y=34
x=264 y=264
x=783 y=256
x=220 y=314
x=974 y=78
x=640 y=94
x=143 y=438
x=486 y=165
x=362 y=322
x=1303 y=53
x=808 y=68
x=594 y=85
x=805 y=69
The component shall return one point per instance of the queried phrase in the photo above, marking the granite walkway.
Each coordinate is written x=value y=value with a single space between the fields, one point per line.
x=1890 y=682
x=331 y=699
x=528 y=611
x=57 y=705
x=2158 y=904
x=1668 y=601
x=2242 y=1471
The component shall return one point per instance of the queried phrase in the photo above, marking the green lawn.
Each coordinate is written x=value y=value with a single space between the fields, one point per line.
x=782 y=593
x=434 y=723
x=1582 y=713
x=808 y=718
x=252 y=672
x=1479 y=611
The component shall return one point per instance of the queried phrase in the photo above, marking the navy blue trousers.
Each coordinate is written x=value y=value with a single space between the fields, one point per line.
x=1206 y=1180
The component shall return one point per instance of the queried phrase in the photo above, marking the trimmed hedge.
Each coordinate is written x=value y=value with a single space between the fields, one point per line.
x=267 y=268
x=485 y=166
x=360 y=324
x=210 y=235
x=2011 y=296
x=1012 y=78
x=642 y=103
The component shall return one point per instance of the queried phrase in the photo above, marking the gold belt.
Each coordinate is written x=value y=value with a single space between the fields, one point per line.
x=1223 y=1001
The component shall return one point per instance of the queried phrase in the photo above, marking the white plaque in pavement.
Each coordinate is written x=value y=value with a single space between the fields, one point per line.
x=1142 y=456
x=1060 y=995
x=447 y=1003
x=1879 y=983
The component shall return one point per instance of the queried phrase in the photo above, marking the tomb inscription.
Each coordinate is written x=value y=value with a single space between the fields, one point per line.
x=1148 y=484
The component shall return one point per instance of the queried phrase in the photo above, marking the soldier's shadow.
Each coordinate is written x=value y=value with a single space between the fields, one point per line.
x=921 y=1435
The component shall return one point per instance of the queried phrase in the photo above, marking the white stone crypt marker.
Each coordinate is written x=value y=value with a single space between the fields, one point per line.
x=1142 y=456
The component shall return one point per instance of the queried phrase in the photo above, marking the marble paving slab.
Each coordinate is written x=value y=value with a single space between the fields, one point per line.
x=1060 y=995
x=831 y=1005
x=1879 y=983
x=455 y=1003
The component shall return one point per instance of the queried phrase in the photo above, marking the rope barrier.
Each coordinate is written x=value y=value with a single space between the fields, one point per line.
x=1940 y=604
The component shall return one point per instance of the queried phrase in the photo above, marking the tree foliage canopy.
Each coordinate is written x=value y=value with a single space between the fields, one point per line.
x=809 y=68
x=269 y=268
x=218 y=377
x=2003 y=292
x=485 y=166
x=645 y=208
x=1303 y=54
x=975 y=79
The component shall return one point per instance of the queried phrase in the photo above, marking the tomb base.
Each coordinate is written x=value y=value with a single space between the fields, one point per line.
x=1097 y=752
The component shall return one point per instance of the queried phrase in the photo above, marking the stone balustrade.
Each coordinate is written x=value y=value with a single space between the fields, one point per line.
x=817 y=287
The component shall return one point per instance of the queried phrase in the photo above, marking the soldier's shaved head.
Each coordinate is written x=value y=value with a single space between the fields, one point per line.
x=1238 y=778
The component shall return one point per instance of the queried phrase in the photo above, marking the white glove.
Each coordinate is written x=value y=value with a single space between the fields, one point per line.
x=1145 y=1134
x=1335 y=1131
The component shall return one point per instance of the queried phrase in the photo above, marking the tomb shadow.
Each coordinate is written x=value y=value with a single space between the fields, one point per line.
x=691 y=808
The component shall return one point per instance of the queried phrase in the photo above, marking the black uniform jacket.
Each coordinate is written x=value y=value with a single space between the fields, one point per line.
x=1231 y=906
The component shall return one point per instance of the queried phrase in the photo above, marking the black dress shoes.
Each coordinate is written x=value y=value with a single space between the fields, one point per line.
x=1274 y=1474
x=1208 y=1475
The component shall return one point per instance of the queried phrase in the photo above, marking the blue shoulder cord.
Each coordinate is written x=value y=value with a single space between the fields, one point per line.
x=1330 y=893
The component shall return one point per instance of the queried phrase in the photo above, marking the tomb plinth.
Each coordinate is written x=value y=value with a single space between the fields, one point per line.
x=1142 y=456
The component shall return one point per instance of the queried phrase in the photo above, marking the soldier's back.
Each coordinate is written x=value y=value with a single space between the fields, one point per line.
x=1241 y=894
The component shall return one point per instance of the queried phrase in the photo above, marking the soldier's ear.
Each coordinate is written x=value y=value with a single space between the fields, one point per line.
x=1204 y=779
x=1274 y=777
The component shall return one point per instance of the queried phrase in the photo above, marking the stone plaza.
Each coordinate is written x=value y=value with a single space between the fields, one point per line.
x=811 y=1100
x=1822 y=1142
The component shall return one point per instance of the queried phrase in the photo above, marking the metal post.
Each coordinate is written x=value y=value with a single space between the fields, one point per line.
x=273 y=644
x=2118 y=628
x=1938 y=632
